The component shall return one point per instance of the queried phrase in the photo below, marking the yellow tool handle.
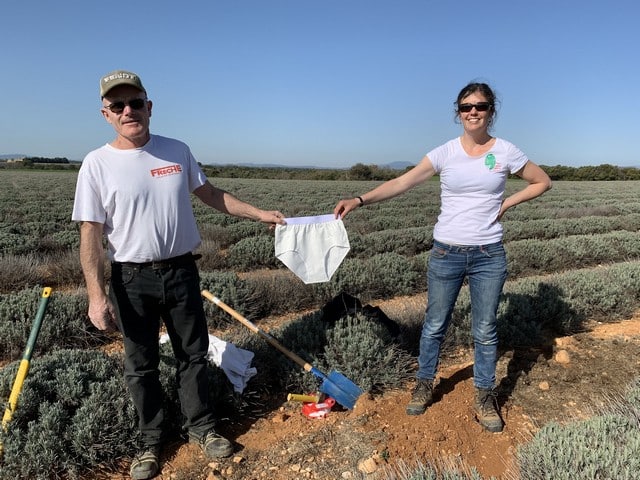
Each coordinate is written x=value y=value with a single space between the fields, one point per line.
x=15 y=391
x=298 y=397
x=23 y=369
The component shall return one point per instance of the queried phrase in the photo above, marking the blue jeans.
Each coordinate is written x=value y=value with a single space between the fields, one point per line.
x=485 y=266
x=143 y=297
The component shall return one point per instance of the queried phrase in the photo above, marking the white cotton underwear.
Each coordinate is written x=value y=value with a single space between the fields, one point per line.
x=312 y=247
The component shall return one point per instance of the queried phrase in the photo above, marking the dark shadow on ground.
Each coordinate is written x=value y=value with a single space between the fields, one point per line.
x=446 y=385
x=527 y=327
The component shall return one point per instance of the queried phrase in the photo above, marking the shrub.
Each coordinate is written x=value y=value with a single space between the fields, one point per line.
x=380 y=276
x=19 y=271
x=632 y=396
x=363 y=351
x=63 y=269
x=233 y=291
x=444 y=470
x=351 y=276
x=527 y=257
x=389 y=273
x=360 y=349
x=212 y=258
x=280 y=292
x=65 y=323
x=216 y=233
x=406 y=241
x=535 y=307
x=603 y=447
x=252 y=253
x=74 y=414
x=16 y=243
x=247 y=229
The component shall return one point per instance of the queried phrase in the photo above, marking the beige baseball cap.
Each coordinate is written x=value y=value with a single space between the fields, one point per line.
x=119 y=77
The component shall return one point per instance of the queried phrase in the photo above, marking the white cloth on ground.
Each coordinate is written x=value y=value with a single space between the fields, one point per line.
x=235 y=362
x=312 y=247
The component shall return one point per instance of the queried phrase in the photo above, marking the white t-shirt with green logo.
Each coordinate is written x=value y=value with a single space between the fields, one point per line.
x=143 y=198
x=472 y=190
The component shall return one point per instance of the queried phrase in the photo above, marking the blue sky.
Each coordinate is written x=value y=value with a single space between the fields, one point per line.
x=325 y=83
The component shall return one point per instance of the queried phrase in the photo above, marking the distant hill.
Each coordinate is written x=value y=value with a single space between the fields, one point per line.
x=6 y=156
x=391 y=166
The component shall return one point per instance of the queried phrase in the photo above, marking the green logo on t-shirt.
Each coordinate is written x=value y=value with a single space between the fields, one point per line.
x=490 y=161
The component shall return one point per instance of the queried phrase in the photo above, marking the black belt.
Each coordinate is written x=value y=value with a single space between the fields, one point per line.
x=161 y=264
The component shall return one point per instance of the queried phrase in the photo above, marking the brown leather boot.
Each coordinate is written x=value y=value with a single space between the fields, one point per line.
x=421 y=397
x=487 y=410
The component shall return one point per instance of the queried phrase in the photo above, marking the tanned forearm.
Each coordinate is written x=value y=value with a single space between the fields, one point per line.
x=101 y=311
x=92 y=258
x=226 y=203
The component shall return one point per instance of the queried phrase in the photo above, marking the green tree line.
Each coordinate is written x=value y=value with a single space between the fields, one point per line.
x=361 y=171
x=32 y=160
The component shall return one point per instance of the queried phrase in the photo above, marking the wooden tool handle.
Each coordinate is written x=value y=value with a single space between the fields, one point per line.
x=300 y=361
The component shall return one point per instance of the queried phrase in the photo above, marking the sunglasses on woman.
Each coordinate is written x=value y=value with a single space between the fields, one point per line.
x=480 y=106
x=134 y=103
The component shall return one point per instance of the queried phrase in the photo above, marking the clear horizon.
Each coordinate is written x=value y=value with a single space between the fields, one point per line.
x=331 y=83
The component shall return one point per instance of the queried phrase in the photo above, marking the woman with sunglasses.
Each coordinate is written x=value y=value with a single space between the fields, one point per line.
x=467 y=240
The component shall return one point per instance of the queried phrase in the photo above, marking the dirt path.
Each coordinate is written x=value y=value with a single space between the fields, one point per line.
x=567 y=380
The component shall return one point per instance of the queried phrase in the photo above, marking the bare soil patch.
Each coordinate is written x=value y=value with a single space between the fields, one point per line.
x=568 y=379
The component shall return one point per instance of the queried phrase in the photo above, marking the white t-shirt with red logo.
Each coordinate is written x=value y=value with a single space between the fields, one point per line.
x=472 y=190
x=143 y=198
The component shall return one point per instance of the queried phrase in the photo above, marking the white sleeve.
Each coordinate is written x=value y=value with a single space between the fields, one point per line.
x=87 y=205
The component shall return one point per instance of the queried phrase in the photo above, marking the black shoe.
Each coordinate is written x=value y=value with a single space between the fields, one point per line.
x=421 y=397
x=213 y=445
x=146 y=464
x=487 y=410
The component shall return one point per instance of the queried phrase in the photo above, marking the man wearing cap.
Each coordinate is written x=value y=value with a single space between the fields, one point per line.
x=135 y=192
